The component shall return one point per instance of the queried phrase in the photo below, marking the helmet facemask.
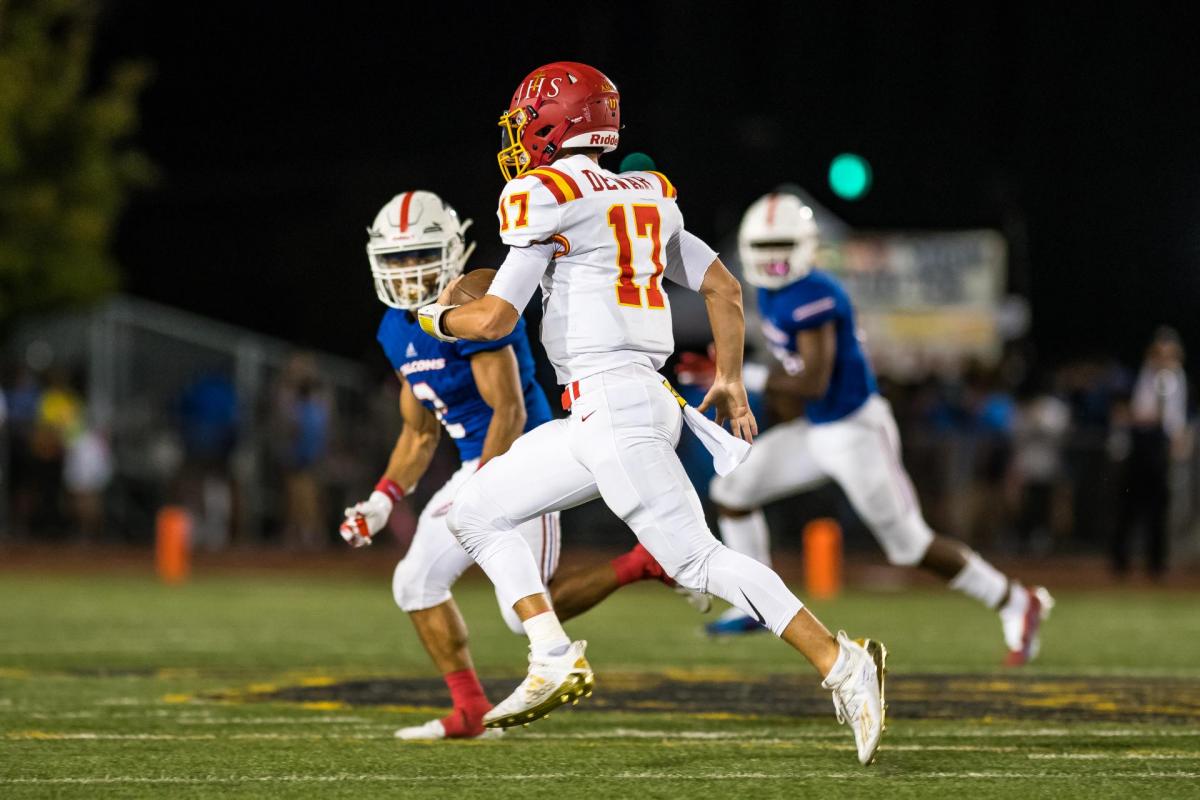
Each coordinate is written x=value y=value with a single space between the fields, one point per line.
x=777 y=241
x=413 y=275
x=513 y=158
x=772 y=264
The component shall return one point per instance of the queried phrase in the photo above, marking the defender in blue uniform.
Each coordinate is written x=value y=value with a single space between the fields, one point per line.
x=806 y=305
x=484 y=396
x=440 y=376
x=848 y=434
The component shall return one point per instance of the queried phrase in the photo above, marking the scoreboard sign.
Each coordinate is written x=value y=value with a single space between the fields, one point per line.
x=927 y=301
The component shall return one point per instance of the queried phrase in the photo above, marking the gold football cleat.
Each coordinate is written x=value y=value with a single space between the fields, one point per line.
x=551 y=683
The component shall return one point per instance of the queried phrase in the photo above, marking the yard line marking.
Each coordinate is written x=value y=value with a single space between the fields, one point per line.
x=194 y=737
x=209 y=720
x=619 y=776
x=750 y=736
x=1115 y=756
x=384 y=733
x=929 y=748
x=1003 y=733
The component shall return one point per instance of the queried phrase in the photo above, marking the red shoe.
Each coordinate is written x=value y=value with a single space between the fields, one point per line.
x=460 y=723
x=1022 y=617
x=639 y=565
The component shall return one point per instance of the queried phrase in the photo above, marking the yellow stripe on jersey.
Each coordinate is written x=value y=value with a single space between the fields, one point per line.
x=668 y=187
x=561 y=186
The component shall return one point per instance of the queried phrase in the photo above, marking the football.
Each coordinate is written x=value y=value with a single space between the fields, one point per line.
x=473 y=286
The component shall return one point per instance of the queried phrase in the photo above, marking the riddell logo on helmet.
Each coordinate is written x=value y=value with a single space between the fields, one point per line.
x=603 y=138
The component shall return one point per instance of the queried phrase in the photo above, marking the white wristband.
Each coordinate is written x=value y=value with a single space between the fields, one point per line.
x=430 y=319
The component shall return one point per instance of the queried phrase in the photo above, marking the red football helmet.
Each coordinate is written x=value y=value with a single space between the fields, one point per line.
x=560 y=105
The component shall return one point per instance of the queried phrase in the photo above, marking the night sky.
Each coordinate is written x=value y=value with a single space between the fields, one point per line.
x=280 y=129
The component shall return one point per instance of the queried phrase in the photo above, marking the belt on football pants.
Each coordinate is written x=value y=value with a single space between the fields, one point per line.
x=569 y=395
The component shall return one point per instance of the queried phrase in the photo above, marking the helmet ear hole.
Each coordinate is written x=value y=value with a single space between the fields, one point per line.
x=543 y=131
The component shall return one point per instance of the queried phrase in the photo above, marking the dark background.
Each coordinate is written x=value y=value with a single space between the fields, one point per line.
x=280 y=129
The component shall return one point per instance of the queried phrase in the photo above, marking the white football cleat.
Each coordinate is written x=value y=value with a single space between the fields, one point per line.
x=701 y=601
x=552 y=681
x=858 y=692
x=435 y=730
x=1021 y=618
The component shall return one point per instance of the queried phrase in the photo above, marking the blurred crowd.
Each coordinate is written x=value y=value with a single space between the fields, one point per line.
x=67 y=474
x=1093 y=456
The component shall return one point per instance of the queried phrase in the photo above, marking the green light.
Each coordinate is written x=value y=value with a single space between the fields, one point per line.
x=849 y=176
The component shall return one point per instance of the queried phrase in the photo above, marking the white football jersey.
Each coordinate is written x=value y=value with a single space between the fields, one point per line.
x=615 y=238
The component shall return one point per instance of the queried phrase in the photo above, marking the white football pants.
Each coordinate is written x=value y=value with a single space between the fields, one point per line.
x=618 y=444
x=435 y=559
x=861 y=452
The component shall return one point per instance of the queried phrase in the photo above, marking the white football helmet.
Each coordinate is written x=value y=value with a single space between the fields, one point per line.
x=417 y=246
x=777 y=240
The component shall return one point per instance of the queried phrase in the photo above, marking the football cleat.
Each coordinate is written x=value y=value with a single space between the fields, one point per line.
x=733 y=623
x=552 y=681
x=435 y=730
x=1021 y=618
x=858 y=696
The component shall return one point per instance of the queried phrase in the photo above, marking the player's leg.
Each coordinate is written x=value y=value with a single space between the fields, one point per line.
x=624 y=428
x=537 y=475
x=543 y=535
x=779 y=465
x=862 y=453
x=421 y=587
x=584 y=588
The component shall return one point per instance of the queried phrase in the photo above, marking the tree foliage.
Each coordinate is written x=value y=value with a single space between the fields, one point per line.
x=66 y=161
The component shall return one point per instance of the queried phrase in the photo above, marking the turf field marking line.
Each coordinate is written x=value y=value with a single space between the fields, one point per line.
x=211 y=720
x=775 y=735
x=47 y=736
x=619 y=776
x=1114 y=756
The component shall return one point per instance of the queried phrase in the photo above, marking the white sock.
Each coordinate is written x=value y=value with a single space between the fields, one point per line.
x=981 y=580
x=839 y=666
x=753 y=587
x=748 y=534
x=546 y=635
x=1017 y=602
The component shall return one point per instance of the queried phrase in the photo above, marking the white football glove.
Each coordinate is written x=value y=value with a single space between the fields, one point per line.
x=430 y=319
x=366 y=519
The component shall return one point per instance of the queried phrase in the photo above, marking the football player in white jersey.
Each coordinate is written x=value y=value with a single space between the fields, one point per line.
x=599 y=244
x=483 y=394
x=848 y=433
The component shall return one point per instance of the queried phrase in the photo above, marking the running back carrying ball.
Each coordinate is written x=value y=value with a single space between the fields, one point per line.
x=473 y=286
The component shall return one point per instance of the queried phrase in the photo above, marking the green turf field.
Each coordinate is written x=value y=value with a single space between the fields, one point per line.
x=291 y=687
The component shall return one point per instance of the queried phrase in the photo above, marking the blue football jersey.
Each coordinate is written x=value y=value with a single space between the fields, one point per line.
x=441 y=378
x=809 y=303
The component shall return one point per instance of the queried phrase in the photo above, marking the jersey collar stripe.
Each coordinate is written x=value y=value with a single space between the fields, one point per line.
x=574 y=192
x=668 y=188
x=558 y=185
x=404 y=204
x=550 y=184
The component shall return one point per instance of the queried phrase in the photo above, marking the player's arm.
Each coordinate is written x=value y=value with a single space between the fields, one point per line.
x=529 y=216
x=499 y=381
x=722 y=294
x=494 y=315
x=410 y=458
x=484 y=320
x=417 y=441
x=817 y=349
